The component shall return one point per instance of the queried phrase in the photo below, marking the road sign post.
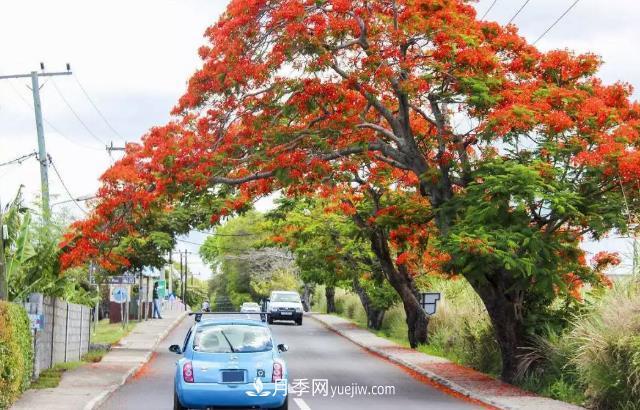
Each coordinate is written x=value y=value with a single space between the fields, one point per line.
x=120 y=294
x=429 y=302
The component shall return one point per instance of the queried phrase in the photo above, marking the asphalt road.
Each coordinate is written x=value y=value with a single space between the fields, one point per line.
x=317 y=357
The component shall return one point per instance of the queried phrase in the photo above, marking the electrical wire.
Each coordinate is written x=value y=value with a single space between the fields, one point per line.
x=557 y=21
x=489 y=9
x=93 y=104
x=84 y=125
x=519 y=11
x=190 y=243
x=49 y=124
x=222 y=234
x=19 y=160
x=55 y=170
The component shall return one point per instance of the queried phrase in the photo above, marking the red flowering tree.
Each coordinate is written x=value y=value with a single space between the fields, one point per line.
x=517 y=154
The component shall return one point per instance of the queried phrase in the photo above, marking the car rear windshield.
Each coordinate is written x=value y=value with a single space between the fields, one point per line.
x=285 y=297
x=232 y=338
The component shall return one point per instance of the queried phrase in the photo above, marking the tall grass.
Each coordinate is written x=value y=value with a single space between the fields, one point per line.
x=606 y=349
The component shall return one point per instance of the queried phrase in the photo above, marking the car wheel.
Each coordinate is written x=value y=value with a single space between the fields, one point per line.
x=285 y=405
x=176 y=402
x=270 y=320
x=299 y=322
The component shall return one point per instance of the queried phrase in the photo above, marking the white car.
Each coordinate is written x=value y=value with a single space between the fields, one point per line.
x=250 y=307
x=284 y=305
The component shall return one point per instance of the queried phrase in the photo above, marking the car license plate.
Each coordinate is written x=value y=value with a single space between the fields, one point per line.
x=233 y=376
x=286 y=313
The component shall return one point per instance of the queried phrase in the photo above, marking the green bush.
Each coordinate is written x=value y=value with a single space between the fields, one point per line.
x=16 y=353
x=394 y=325
x=318 y=300
x=605 y=345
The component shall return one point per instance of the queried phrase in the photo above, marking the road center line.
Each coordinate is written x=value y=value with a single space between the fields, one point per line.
x=301 y=404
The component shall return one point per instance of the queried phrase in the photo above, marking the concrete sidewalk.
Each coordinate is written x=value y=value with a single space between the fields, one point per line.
x=458 y=379
x=88 y=386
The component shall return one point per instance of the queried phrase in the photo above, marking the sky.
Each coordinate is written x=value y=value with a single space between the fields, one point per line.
x=133 y=58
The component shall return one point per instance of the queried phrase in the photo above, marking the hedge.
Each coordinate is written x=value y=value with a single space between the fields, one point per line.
x=16 y=353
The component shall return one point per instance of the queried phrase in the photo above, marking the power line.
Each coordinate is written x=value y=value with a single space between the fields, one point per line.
x=223 y=234
x=519 y=11
x=84 y=125
x=19 y=160
x=223 y=249
x=489 y=9
x=55 y=170
x=37 y=108
x=557 y=21
x=93 y=104
x=49 y=124
x=190 y=243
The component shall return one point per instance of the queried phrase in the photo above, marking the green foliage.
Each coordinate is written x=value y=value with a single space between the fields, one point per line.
x=330 y=250
x=246 y=266
x=33 y=258
x=279 y=280
x=605 y=348
x=94 y=356
x=16 y=352
x=197 y=292
x=495 y=241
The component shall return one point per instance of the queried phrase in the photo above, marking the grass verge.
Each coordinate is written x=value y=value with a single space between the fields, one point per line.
x=50 y=378
x=110 y=333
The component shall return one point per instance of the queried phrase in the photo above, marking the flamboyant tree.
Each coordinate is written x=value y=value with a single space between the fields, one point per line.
x=515 y=153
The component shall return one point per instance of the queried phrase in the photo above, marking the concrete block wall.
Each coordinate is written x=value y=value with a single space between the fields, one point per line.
x=66 y=333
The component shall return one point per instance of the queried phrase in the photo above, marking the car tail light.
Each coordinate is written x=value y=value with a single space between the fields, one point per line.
x=277 y=371
x=187 y=372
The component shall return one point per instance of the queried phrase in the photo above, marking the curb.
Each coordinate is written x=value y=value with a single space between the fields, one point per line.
x=430 y=375
x=104 y=395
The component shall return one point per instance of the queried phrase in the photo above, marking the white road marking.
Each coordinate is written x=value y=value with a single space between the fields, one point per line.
x=301 y=404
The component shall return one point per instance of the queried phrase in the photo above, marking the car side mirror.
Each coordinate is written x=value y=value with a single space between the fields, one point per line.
x=283 y=348
x=175 y=349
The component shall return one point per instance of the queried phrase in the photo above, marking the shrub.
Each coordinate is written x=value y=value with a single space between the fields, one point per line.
x=318 y=300
x=394 y=324
x=461 y=329
x=16 y=353
x=606 y=346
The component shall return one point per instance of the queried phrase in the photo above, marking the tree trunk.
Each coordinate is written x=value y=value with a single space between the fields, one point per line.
x=402 y=281
x=374 y=316
x=417 y=319
x=330 y=293
x=306 y=297
x=505 y=311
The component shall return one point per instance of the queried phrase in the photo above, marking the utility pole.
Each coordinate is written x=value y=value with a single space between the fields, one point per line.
x=170 y=281
x=186 y=276
x=111 y=148
x=182 y=279
x=42 y=150
x=4 y=286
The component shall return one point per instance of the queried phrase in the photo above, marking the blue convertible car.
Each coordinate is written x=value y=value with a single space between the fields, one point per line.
x=230 y=362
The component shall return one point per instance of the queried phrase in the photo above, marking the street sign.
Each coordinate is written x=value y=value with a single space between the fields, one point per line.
x=429 y=302
x=37 y=321
x=121 y=280
x=119 y=294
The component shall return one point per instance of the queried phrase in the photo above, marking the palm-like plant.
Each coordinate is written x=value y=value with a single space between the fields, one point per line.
x=32 y=255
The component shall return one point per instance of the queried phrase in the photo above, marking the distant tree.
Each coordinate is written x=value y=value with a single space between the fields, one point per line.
x=331 y=250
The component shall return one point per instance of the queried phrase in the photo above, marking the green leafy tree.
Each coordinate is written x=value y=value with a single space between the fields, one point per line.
x=331 y=250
